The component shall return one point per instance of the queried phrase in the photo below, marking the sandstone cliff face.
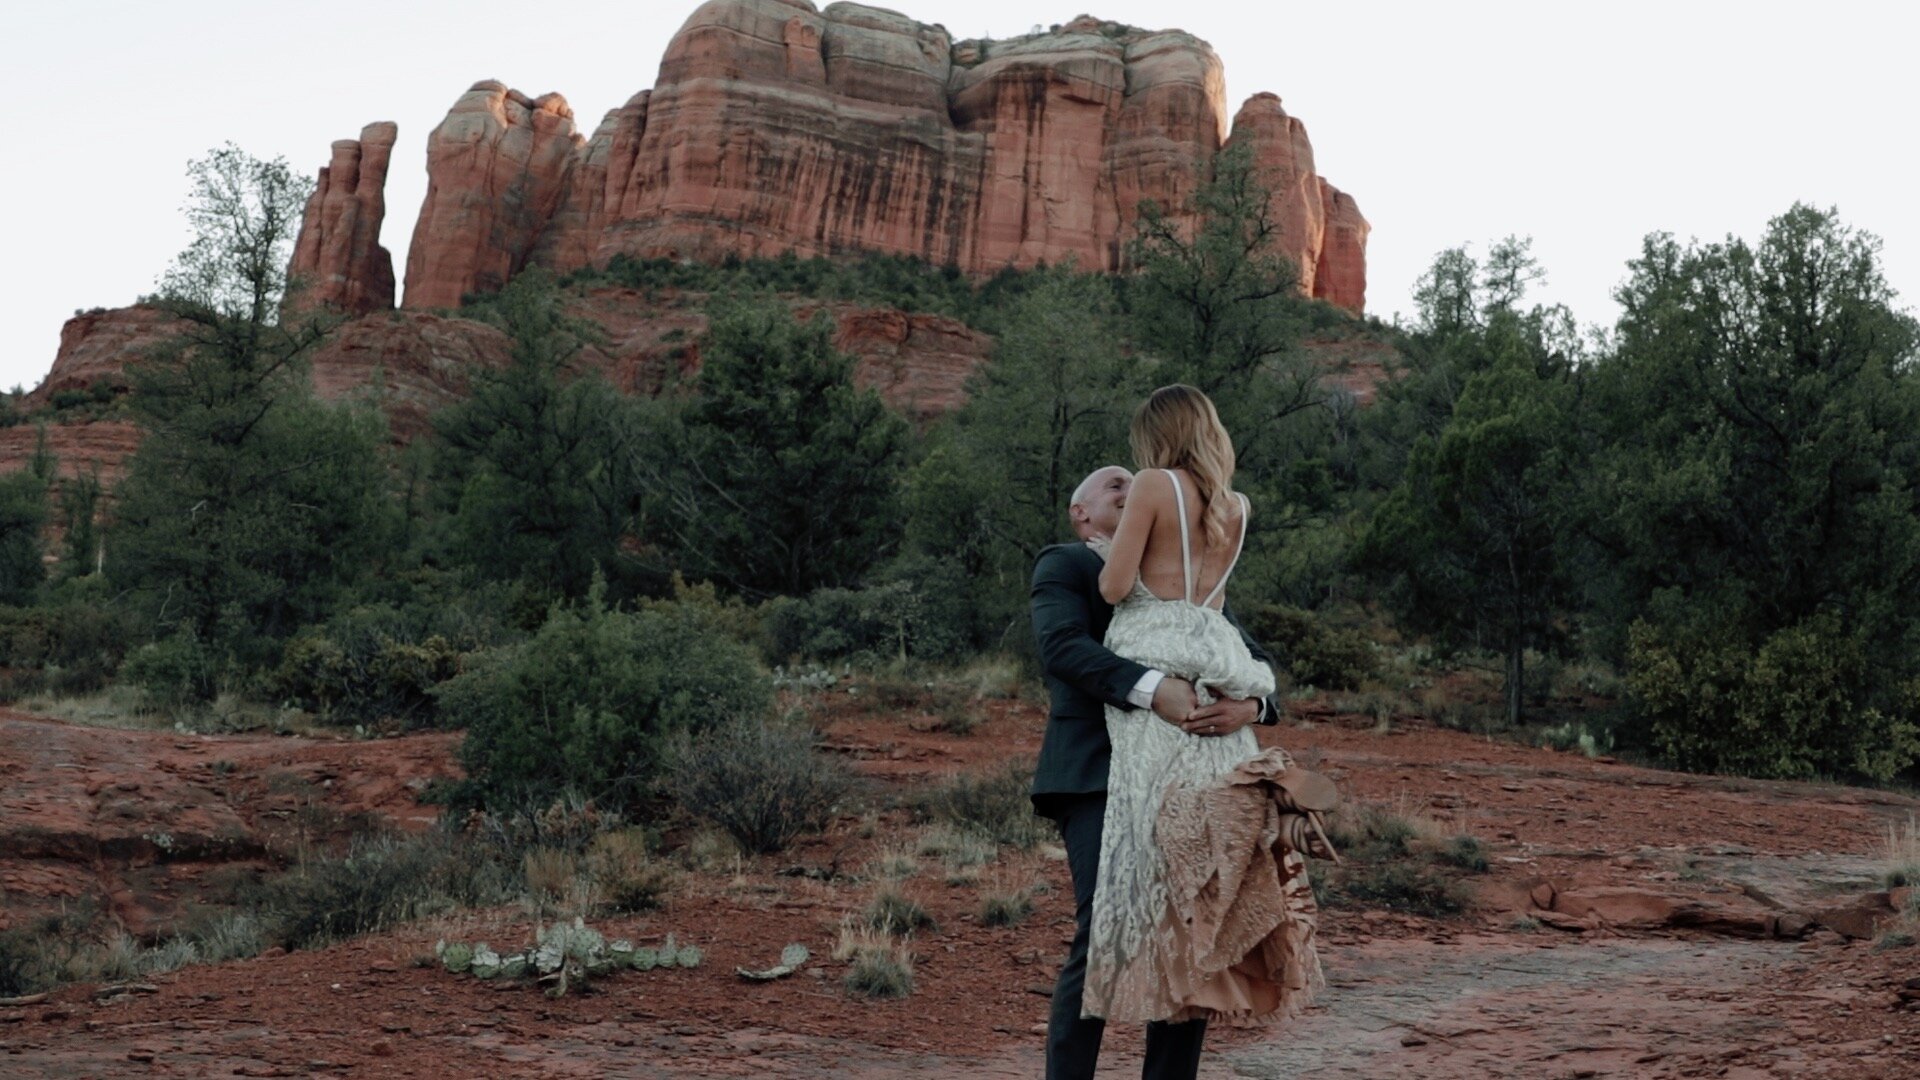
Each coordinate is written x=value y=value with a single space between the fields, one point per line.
x=918 y=363
x=777 y=126
x=498 y=169
x=97 y=345
x=338 y=262
x=1341 y=278
x=410 y=364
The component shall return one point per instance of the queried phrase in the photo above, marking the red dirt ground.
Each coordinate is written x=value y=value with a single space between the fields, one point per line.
x=1607 y=981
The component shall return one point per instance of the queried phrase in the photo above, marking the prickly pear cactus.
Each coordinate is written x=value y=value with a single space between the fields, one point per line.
x=455 y=956
x=565 y=954
x=791 y=958
x=486 y=962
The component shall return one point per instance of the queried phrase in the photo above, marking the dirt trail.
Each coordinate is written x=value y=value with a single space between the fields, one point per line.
x=1612 y=976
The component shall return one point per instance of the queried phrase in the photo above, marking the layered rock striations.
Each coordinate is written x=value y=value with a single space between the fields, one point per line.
x=1341 y=275
x=338 y=262
x=498 y=169
x=775 y=126
x=96 y=347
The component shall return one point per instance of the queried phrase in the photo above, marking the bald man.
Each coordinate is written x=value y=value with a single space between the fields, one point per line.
x=1070 y=782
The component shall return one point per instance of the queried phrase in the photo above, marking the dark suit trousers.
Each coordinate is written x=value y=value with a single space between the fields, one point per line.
x=1073 y=1044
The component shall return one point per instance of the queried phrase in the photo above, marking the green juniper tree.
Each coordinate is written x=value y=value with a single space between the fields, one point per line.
x=1049 y=407
x=774 y=474
x=1755 y=501
x=249 y=505
x=532 y=465
x=23 y=521
x=1467 y=542
x=1214 y=299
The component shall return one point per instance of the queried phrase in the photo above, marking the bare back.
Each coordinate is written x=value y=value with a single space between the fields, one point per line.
x=1165 y=503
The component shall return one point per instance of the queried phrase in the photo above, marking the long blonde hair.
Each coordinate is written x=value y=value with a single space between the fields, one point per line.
x=1178 y=428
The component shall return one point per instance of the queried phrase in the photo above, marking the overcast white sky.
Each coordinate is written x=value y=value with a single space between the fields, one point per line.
x=1584 y=125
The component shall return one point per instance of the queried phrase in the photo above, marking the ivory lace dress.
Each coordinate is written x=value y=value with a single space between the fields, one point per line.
x=1148 y=957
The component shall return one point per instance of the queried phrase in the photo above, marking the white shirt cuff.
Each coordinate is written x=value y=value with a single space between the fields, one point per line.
x=1141 y=696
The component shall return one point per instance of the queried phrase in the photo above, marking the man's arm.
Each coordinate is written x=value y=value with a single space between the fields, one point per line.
x=1062 y=625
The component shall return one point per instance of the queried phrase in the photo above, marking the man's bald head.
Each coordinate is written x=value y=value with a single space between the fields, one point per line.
x=1097 y=502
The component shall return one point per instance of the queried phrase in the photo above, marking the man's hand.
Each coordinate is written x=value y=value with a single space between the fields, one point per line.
x=1223 y=717
x=1173 y=700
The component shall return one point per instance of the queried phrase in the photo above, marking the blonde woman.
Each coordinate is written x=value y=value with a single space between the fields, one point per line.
x=1200 y=912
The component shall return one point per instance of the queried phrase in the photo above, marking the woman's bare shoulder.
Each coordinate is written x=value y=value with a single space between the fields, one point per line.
x=1151 y=485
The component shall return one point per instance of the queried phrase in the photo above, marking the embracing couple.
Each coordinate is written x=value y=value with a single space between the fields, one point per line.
x=1184 y=839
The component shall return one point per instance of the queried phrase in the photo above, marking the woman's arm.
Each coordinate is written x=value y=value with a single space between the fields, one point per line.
x=1150 y=490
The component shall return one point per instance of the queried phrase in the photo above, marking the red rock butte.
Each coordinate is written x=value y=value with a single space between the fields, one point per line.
x=776 y=126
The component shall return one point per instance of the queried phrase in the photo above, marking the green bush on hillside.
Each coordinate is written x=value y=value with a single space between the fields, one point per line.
x=586 y=704
x=366 y=677
x=919 y=608
x=177 y=671
x=66 y=648
x=1800 y=706
x=761 y=781
x=1313 y=653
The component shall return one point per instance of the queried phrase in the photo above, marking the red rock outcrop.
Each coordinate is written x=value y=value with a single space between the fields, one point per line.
x=775 y=126
x=97 y=345
x=1284 y=157
x=99 y=447
x=338 y=262
x=498 y=169
x=1341 y=275
x=919 y=363
x=410 y=364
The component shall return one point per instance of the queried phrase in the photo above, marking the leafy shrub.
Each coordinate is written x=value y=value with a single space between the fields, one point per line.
x=833 y=624
x=368 y=666
x=1398 y=886
x=1799 y=705
x=919 y=608
x=70 y=397
x=1313 y=653
x=43 y=953
x=69 y=648
x=703 y=603
x=588 y=703
x=1465 y=852
x=994 y=804
x=761 y=781
x=175 y=672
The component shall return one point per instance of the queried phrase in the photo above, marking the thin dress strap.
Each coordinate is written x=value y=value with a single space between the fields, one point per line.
x=1186 y=550
x=1237 y=548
